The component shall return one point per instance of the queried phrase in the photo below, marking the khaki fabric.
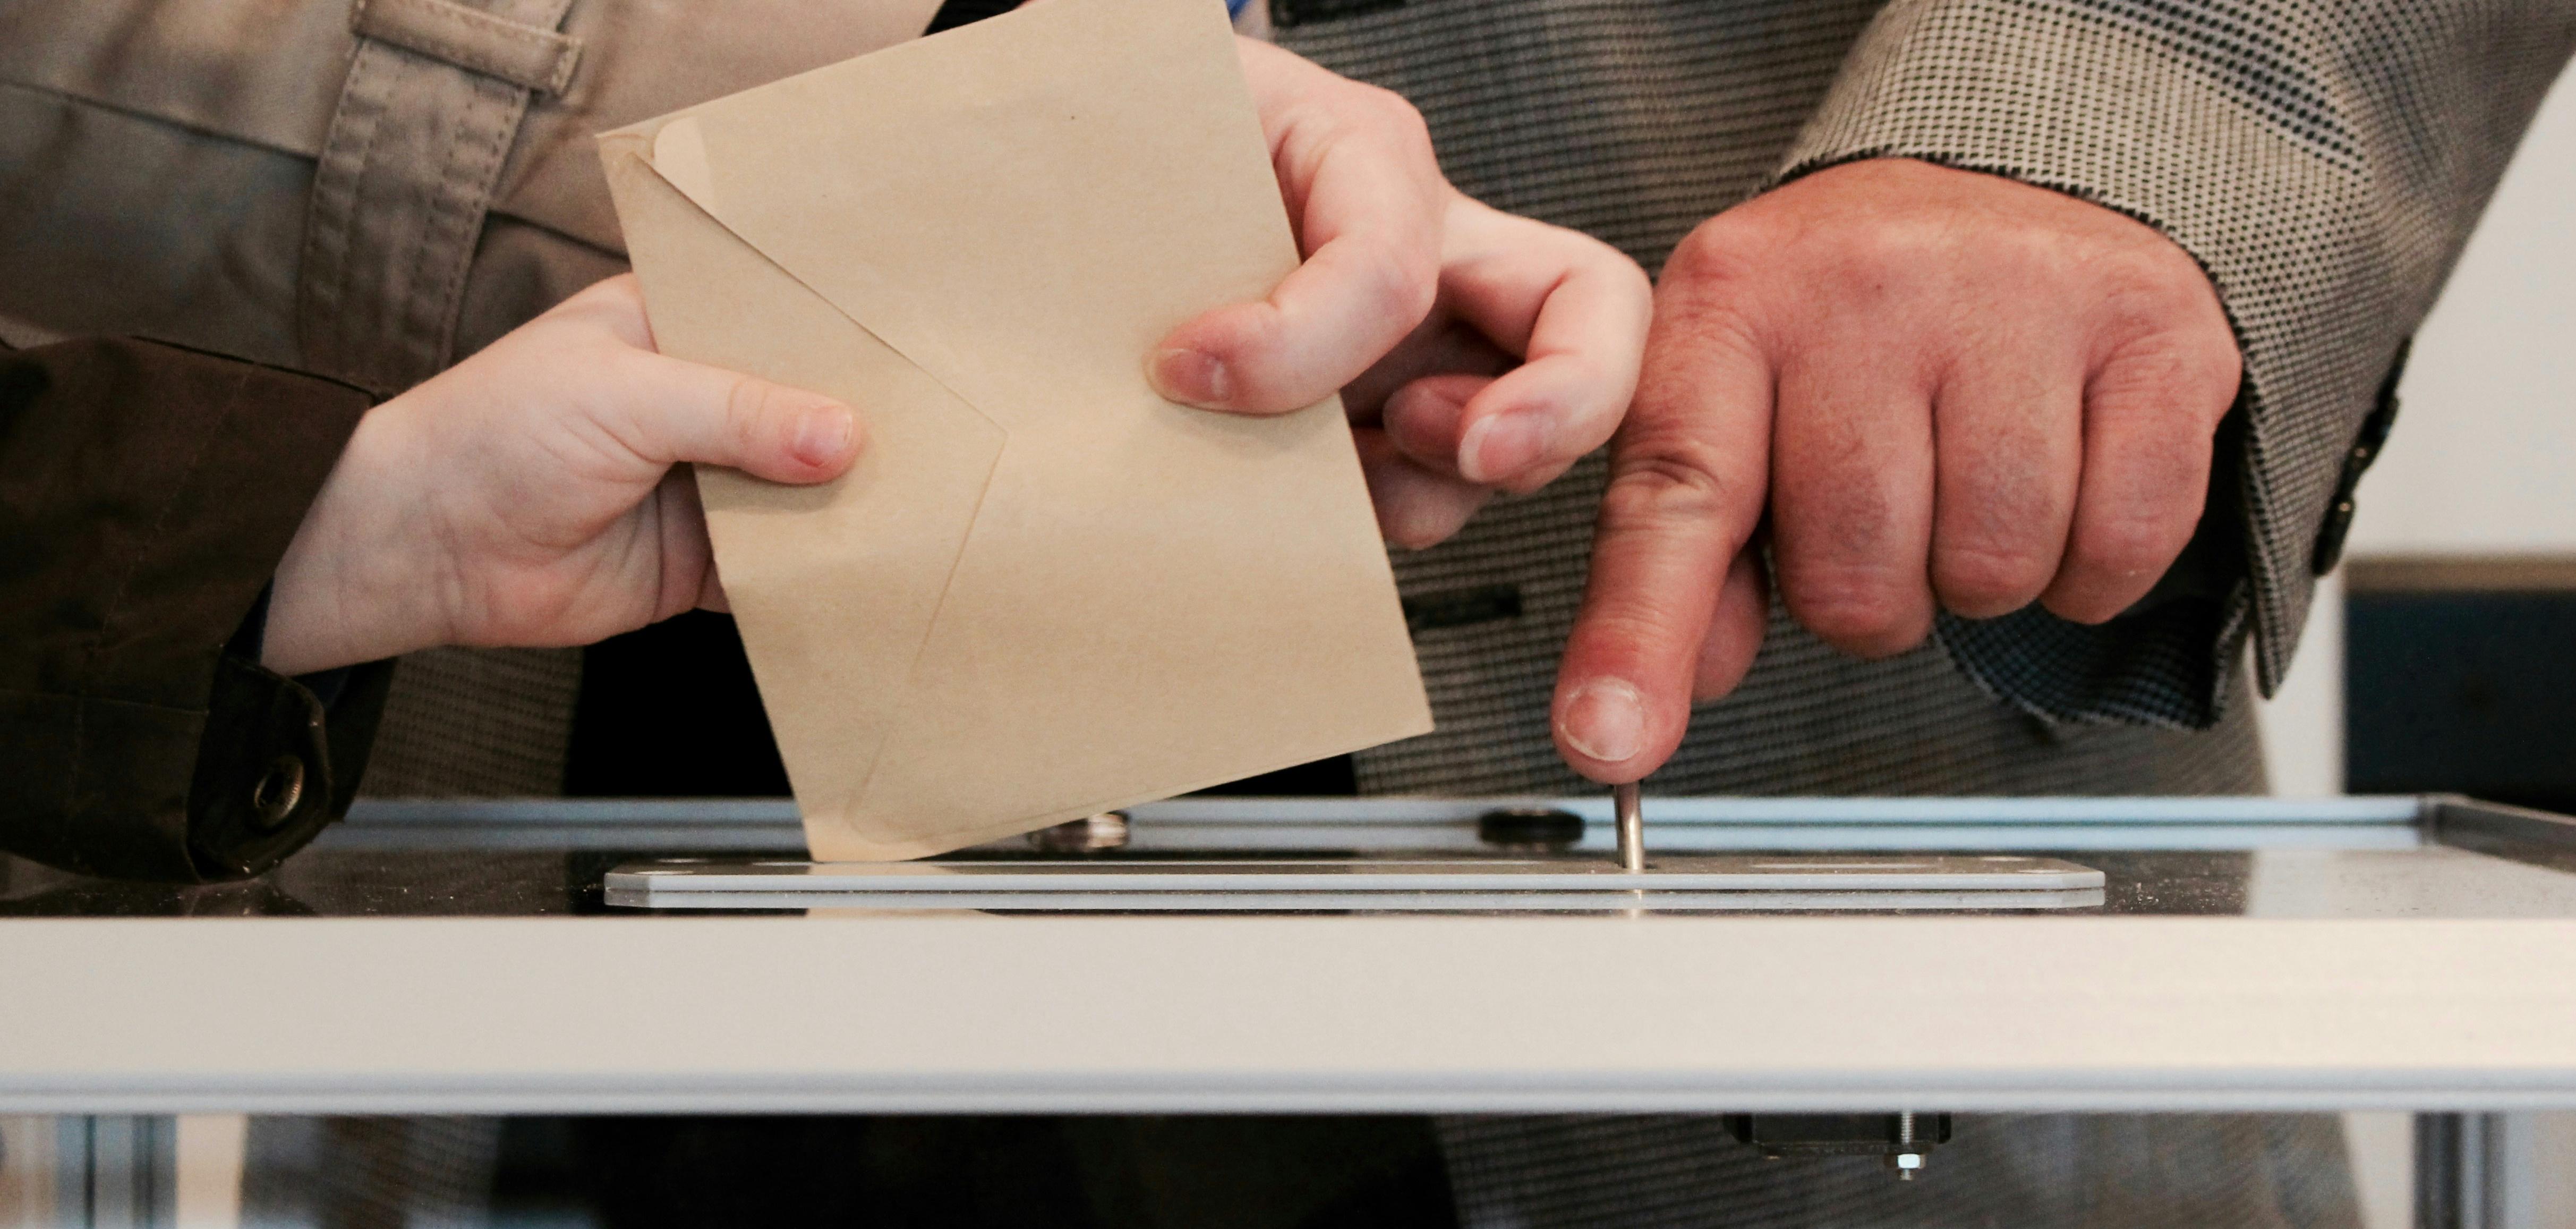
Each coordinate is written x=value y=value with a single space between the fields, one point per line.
x=259 y=179
x=158 y=155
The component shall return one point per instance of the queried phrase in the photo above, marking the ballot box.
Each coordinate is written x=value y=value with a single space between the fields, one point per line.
x=1861 y=966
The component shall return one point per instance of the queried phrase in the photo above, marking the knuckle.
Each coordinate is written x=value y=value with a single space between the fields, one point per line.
x=1537 y=479
x=748 y=406
x=1638 y=626
x=2087 y=609
x=1428 y=516
x=1700 y=317
x=1659 y=488
x=1864 y=611
x=2147 y=373
x=1716 y=254
x=1869 y=247
x=1589 y=251
x=607 y=292
x=1852 y=574
x=1417 y=530
x=1858 y=622
x=614 y=305
x=1396 y=115
x=1241 y=335
x=1871 y=263
x=1980 y=581
x=2148 y=292
x=1402 y=283
x=2182 y=376
x=2209 y=368
x=2128 y=274
x=2131 y=546
x=1852 y=519
x=2150 y=267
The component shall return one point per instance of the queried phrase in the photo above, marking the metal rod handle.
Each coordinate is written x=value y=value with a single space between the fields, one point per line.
x=1632 y=827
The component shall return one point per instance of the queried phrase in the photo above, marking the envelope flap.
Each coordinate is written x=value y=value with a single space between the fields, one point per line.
x=836 y=586
x=975 y=199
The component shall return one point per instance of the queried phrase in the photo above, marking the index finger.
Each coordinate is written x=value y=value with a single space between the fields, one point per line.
x=1356 y=165
x=1688 y=476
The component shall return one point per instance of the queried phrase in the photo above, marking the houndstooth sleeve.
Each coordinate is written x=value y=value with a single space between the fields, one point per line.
x=2323 y=161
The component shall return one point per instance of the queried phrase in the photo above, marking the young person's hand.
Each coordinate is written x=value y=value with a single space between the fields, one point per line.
x=1476 y=351
x=530 y=495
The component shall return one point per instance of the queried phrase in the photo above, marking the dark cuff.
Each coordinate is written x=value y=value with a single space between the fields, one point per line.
x=146 y=495
x=275 y=765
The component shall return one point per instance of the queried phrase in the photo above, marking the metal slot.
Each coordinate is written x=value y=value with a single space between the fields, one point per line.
x=1738 y=882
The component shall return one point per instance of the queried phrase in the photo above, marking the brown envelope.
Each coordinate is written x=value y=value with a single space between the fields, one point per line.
x=1044 y=591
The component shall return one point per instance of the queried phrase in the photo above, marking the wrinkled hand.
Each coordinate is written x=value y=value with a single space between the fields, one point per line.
x=1945 y=387
x=1480 y=351
x=528 y=496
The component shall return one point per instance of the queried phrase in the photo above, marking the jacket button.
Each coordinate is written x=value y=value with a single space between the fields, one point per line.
x=279 y=789
x=2365 y=449
x=2331 y=536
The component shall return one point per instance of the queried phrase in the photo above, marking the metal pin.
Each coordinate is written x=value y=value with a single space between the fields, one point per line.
x=1907 y=1162
x=1632 y=827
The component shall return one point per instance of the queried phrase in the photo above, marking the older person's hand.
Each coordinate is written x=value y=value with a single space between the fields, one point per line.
x=1944 y=388
x=1476 y=351
x=530 y=495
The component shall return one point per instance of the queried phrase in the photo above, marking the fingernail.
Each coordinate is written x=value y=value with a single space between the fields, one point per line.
x=1501 y=445
x=823 y=436
x=1194 y=377
x=1606 y=719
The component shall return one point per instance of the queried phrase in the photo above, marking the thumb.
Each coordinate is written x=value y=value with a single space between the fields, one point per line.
x=676 y=411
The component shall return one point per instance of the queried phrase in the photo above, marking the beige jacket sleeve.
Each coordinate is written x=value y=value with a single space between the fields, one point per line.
x=363 y=188
x=368 y=189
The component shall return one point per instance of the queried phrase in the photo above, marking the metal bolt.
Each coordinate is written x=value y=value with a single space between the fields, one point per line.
x=1909 y=1162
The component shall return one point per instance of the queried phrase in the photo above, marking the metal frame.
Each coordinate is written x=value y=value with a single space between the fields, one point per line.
x=122 y=1173
x=2505 y=831
x=382 y=972
x=1763 y=882
x=89 y=1172
x=1449 y=824
x=2454 y=1156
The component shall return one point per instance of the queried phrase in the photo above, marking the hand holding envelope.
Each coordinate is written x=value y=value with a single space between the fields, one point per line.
x=1476 y=351
x=1045 y=590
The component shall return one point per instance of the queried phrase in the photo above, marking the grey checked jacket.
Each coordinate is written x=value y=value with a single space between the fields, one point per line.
x=2322 y=161
x=371 y=190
